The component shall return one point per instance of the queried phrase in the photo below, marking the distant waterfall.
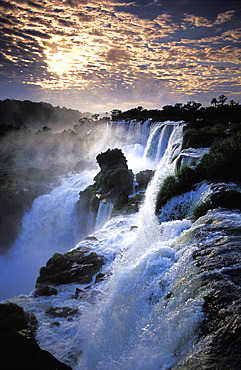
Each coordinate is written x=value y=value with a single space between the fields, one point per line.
x=158 y=141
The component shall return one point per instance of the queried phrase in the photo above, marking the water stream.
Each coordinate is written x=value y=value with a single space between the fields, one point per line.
x=125 y=321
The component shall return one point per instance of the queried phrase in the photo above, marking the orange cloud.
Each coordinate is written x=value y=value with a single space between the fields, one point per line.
x=87 y=45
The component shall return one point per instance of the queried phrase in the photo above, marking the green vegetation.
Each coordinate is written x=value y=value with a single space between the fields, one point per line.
x=221 y=163
x=192 y=112
x=201 y=209
x=131 y=206
x=74 y=266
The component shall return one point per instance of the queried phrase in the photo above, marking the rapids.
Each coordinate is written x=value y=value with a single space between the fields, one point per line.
x=146 y=312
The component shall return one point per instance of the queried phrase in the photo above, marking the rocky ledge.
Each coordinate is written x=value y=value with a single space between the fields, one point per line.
x=19 y=349
x=114 y=184
x=217 y=279
x=76 y=266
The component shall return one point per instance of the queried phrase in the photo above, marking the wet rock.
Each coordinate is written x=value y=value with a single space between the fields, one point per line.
x=19 y=349
x=61 y=311
x=91 y=238
x=78 y=291
x=190 y=157
x=114 y=183
x=218 y=256
x=131 y=205
x=226 y=195
x=54 y=324
x=99 y=277
x=76 y=266
x=143 y=178
x=45 y=290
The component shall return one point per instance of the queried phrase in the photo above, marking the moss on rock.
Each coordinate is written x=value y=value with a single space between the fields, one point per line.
x=76 y=266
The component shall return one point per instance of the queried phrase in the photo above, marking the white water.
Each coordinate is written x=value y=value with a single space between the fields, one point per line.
x=50 y=226
x=103 y=215
x=123 y=330
x=126 y=322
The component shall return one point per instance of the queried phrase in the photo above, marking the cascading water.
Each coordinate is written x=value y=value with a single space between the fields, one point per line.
x=127 y=321
x=158 y=141
x=124 y=329
x=104 y=213
x=50 y=226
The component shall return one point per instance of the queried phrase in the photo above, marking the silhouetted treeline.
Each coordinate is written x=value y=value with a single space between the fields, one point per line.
x=35 y=115
x=191 y=113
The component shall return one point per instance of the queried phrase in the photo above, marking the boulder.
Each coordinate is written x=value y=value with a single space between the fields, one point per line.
x=76 y=266
x=112 y=158
x=225 y=196
x=18 y=347
x=143 y=178
x=61 y=311
x=45 y=290
x=114 y=183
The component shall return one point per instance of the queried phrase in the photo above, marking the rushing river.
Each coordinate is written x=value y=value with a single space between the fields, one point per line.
x=146 y=314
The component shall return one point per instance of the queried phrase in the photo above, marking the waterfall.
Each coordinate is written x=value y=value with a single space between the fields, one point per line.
x=126 y=327
x=50 y=226
x=128 y=320
x=103 y=215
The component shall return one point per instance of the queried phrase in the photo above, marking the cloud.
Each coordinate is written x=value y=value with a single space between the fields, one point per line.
x=224 y=17
x=196 y=21
x=89 y=46
x=36 y=33
x=232 y=35
x=116 y=55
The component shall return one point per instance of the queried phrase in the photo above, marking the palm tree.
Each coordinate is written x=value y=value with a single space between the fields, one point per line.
x=214 y=102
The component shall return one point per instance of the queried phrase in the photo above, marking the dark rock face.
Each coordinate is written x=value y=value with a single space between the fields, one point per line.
x=143 y=178
x=46 y=291
x=61 y=312
x=131 y=205
x=222 y=305
x=227 y=196
x=114 y=182
x=76 y=266
x=111 y=159
x=18 y=348
x=114 y=177
x=218 y=260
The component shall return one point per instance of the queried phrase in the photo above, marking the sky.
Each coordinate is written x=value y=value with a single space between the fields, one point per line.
x=97 y=56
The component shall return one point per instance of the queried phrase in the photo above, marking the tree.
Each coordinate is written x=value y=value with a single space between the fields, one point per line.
x=83 y=119
x=222 y=99
x=95 y=117
x=232 y=103
x=178 y=105
x=192 y=105
x=115 y=114
x=214 y=102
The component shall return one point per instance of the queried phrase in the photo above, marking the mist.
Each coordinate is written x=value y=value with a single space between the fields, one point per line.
x=42 y=173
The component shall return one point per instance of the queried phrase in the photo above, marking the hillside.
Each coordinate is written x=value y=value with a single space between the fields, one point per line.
x=36 y=115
